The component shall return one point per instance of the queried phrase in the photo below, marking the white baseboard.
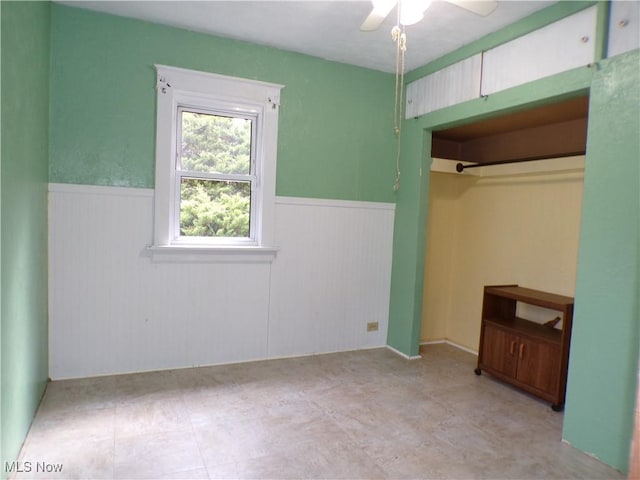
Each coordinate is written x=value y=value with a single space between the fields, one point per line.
x=453 y=344
x=404 y=355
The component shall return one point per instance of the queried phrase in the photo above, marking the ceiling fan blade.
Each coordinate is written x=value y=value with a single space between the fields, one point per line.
x=380 y=11
x=479 y=7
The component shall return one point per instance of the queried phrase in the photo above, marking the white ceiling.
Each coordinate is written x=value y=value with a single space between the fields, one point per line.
x=325 y=29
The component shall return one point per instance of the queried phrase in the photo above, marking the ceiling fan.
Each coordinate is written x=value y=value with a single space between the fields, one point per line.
x=412 y=11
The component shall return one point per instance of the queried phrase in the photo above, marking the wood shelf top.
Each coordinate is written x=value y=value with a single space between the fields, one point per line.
x=531 y=296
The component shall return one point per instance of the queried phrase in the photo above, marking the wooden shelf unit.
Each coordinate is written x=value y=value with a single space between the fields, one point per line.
x=527 y=354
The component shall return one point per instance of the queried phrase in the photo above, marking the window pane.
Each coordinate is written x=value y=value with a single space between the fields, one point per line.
x=215 y=144
x=211 y=208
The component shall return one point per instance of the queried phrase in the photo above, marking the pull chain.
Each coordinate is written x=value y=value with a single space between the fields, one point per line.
x=400 y=39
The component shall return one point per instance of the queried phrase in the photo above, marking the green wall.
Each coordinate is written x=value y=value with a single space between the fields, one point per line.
x=604 y=357
x=335 y=134
x=409 y=240
x=604 y=352
x=405 y=314
x=335 y=141
x=25 y=144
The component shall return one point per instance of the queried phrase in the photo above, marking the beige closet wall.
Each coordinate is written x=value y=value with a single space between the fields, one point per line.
x=515 y=224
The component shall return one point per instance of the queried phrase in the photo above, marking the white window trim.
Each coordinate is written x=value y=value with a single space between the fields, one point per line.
x=177 y=86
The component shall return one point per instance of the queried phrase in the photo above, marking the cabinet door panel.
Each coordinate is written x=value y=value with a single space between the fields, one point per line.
x=624 y=28
x=539 y=364
x=560 y=46
x=454 y=84
x=499 y=350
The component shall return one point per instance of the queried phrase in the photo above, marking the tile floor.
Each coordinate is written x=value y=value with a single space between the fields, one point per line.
x=367 y=414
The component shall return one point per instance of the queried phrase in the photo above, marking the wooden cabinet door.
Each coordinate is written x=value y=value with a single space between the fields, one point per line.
x=539 y=364
x=499 y=350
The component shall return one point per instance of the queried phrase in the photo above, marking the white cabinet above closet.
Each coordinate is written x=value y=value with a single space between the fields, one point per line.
x=624 y=27
x=568 y=43
x=560 y=46
x=454 y=84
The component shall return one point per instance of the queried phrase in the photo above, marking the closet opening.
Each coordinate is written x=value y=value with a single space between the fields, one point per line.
x=513 y=218
x=550 y=131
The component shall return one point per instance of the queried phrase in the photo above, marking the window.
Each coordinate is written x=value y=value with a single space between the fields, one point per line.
x=215 y=175
x=216 y=145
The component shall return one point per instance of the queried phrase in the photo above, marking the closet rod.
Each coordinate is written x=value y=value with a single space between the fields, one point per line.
x=460 y=167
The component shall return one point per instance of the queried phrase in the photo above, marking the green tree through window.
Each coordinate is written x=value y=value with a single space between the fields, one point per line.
x=215 y=166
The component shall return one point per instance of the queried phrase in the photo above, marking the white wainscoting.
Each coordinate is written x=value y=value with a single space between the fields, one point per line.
x=113 y=310
x=331 y=277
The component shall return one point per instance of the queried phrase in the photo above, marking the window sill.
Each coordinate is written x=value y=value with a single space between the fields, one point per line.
x=210 y=254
